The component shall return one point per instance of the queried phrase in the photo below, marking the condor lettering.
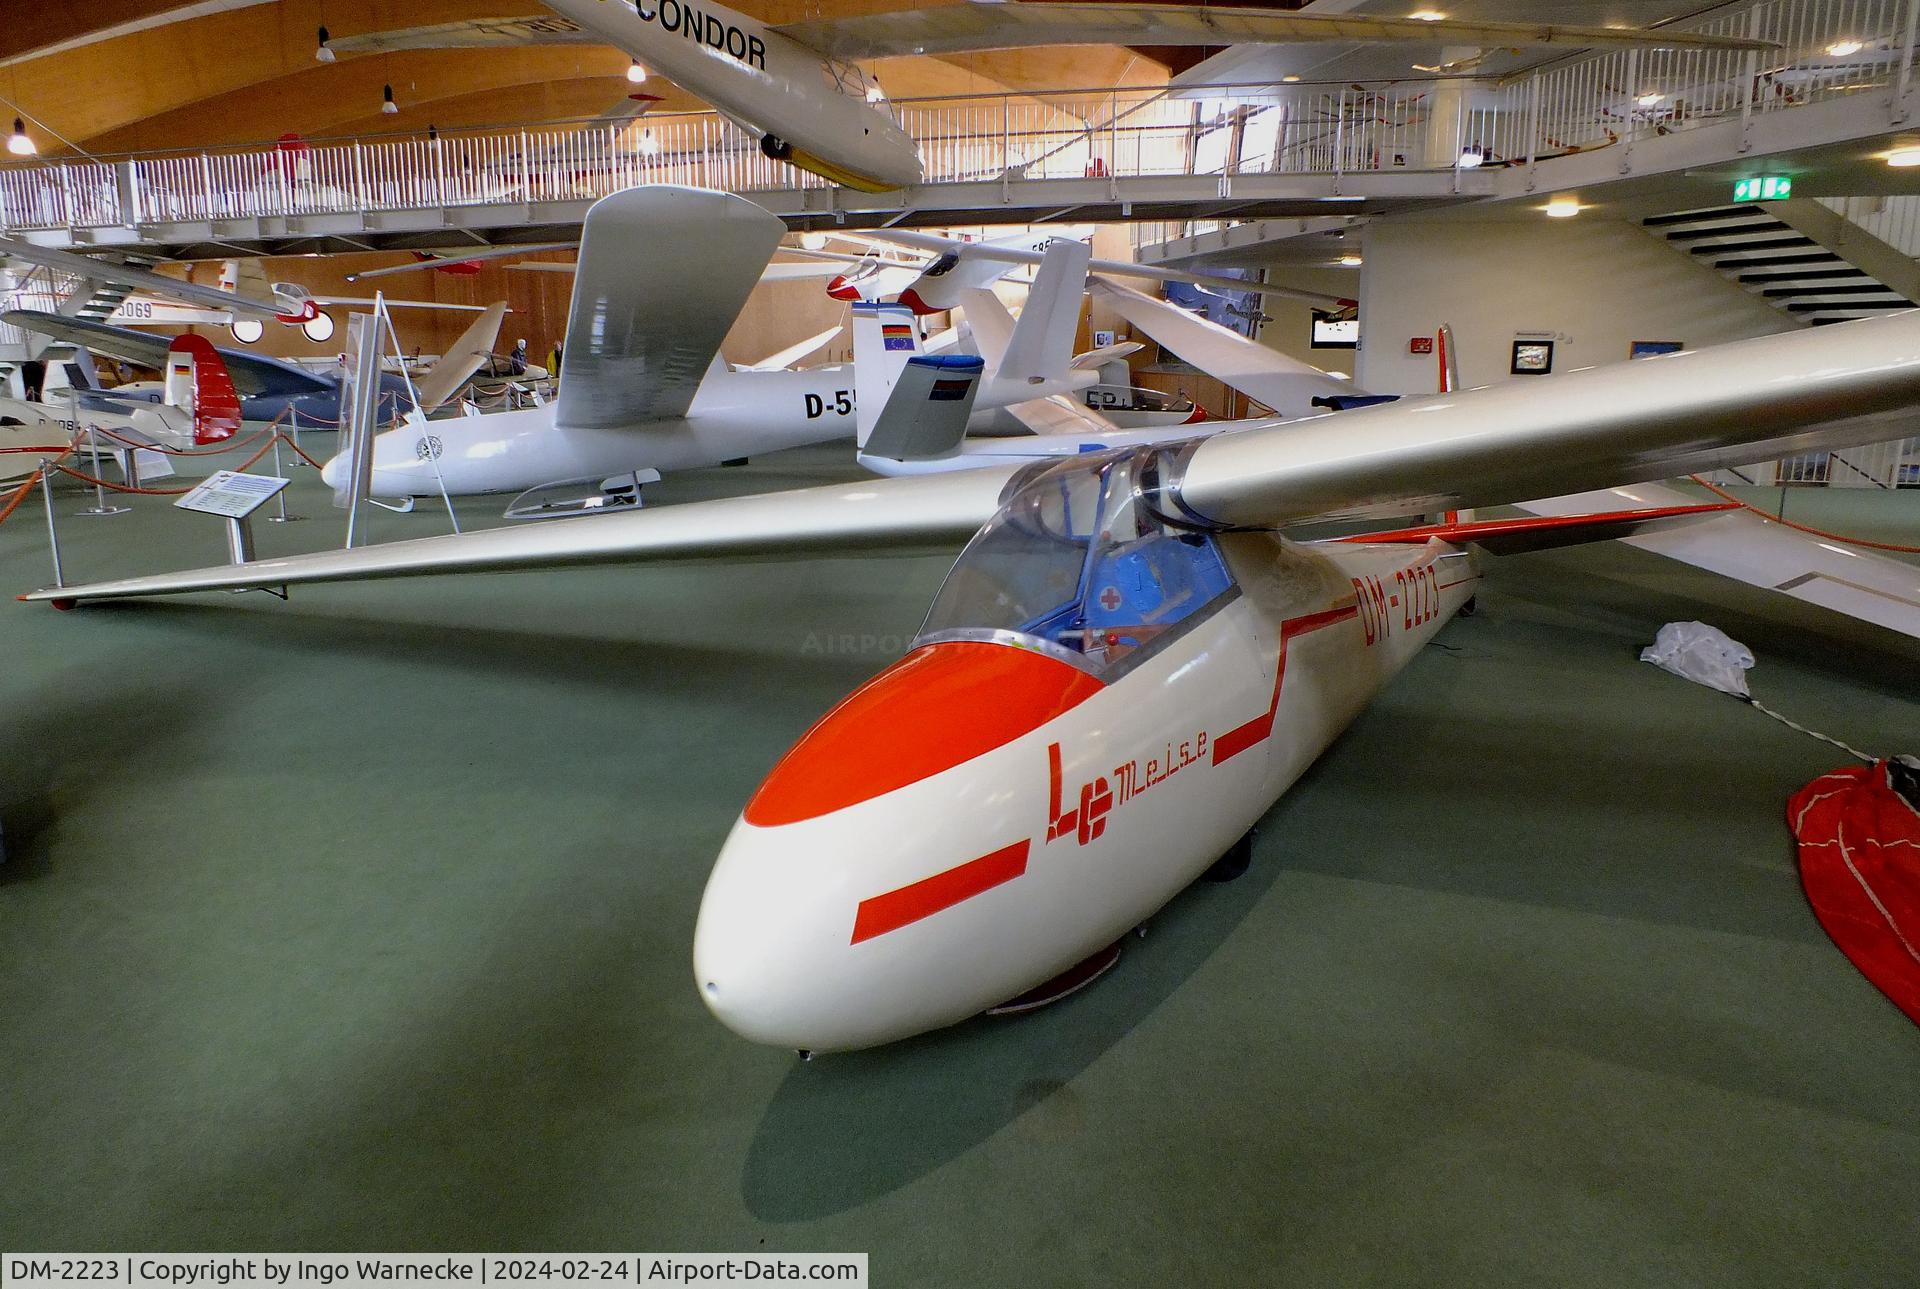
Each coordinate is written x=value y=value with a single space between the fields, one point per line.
x=704 y=29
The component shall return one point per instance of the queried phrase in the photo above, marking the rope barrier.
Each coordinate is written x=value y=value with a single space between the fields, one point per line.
x=1811 y=531
x=169 y=492
x=21 y=493
x=84 y=477
x=224 y=445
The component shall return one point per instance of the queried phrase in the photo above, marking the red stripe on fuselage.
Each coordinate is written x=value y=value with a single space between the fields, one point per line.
x=929 y=895
x=1242 y=737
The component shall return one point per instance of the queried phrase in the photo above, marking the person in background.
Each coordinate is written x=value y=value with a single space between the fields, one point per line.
x=517 y=360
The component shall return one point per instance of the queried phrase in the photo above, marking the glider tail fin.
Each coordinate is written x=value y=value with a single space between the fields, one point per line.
x=197 y=379
x=885 y=339
x=926 y=413
x=462 y=359
x=1042 y=342
x=1449 y=360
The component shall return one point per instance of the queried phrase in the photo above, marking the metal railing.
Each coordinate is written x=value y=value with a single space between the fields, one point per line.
x=1877 y=465
x=1894 y=220
x=1432 y=124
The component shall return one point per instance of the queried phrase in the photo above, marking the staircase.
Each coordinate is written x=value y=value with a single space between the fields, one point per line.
x=1775 y=259
x=106 y=297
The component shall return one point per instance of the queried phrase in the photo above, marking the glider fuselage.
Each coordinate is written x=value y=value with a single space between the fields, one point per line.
x=766 y=82
x=990 y=810
x=734 y=415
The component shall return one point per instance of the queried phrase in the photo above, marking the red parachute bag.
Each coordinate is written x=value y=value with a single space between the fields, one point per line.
x=1859 y=836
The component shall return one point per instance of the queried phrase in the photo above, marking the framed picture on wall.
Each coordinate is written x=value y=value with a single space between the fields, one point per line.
x=1532 y=357
x=1102 y=339
x=1648 y=348
x=1331 y=331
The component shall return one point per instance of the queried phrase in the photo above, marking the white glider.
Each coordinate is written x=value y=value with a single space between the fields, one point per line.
x=1127 y=665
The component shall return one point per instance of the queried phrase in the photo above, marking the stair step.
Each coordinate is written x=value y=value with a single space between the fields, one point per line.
x=1748 y=228
x=1819 y=257
x=1877 y=306
x=1804 y=275
x=1870 y=289
x=1762 y=244
x=1689 y=216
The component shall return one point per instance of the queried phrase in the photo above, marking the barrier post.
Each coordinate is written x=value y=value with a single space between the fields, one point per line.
x=99 y=506
x=53 y=535
x=280 y=497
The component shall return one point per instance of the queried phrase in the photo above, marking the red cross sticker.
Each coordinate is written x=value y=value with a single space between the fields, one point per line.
x=1109 y=599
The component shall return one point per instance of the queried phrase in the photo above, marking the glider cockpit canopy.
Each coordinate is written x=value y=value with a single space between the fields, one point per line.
x=1080 y=564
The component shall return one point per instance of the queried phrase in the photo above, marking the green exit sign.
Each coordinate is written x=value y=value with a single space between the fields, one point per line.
x=1763 y=188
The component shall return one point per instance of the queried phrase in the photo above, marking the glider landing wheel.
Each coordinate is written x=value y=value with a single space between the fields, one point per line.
x=777 y=148
x=1070 y=981
x=1234 y=863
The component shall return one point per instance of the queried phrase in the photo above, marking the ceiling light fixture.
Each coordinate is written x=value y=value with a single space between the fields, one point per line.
x=649 y=146
x=1290 y=78
x=1427 y=15
x=1350 y=261
x=387 y=105
x=18 y=143
x=1842 y=48
x=1899 y=158
x=1471 y=156
x=1649 y=98
x=1563 y=207
x=635 y=72
x=324 y=53
x=813 y=241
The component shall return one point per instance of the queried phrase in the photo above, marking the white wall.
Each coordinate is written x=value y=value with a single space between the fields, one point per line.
x=1593 y=284
x=1292 y=327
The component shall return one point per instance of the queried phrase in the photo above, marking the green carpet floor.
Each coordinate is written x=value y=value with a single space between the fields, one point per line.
x=363 y=922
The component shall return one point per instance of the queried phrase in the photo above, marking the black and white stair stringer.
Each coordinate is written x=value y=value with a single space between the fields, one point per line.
x=1772 y=259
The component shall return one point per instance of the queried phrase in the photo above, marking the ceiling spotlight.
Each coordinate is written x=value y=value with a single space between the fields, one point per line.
x=635 y=72
x=387 y=105
x=813 y=241
x=1899 y=158
x=1350 y=261
x=1563 y=207
x=1471 y=157
x=18 y=143
x=649 y=146
x=324 y=53
x=1842 y=48
x=1290 y=78
x=1427 y=15
x=1649 y=99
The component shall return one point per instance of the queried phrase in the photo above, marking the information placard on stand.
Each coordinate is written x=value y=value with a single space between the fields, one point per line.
x=230 y=494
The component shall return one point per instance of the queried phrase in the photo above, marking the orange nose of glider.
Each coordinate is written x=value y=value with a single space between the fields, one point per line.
x=940 y=706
